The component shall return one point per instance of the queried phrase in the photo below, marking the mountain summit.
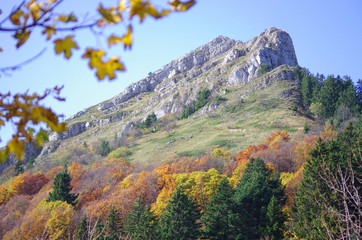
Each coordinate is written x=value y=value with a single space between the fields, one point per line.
x=230 y=70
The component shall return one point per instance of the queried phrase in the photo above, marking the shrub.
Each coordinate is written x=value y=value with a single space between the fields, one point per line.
x=295 y=107
x=306 y=128
x=104 y=149
x=264 y=68
x=120 y=152
x=202 y=98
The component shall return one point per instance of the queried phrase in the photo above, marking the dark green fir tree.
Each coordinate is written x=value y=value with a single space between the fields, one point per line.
x=180 y=220
x=217 y=220
x=113 y=227
x=140 y=223
x=62 y=188
x=252 y=196
x=275 y=219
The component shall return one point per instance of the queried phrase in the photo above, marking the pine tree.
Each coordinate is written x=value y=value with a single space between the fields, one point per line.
x=82 y=229
x=62 y=188
x=114 y=225
x=180 y=220
x=252 y=196
x=218 y=212
x=275 y=219
x=140 y=223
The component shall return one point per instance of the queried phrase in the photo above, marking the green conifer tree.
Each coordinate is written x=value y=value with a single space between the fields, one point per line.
x=140 y=223
x=275 y=220
x=180 y=220
x=114 y=225
x=62 y=188
x=318 y=207
x=252 y=196
x=217 y=220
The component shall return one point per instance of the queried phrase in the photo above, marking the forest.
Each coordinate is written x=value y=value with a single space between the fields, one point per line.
x=266 y=191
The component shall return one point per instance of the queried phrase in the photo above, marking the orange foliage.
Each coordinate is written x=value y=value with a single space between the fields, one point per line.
x=51 y=173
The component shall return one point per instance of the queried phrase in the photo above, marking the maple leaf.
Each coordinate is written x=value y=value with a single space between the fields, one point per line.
x=49 y=31
x=65 y=45
x=22 y=37
x=15 y=18
x=109 y=68
x=126 y=39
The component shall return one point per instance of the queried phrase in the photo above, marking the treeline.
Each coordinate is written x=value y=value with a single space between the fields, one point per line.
x=216 y=196
x=329 y=97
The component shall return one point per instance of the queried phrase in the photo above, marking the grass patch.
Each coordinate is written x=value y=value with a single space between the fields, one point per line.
x=191 y=153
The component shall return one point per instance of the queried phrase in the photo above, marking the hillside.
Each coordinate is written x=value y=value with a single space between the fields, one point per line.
x=245 y=105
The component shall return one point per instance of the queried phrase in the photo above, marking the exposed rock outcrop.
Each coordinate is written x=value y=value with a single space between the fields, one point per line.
x=220 y=62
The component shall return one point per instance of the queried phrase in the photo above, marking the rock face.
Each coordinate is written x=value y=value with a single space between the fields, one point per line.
x=222 y=62
x=31 y=151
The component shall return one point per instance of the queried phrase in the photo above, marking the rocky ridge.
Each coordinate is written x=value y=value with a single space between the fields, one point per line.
x=220 y=63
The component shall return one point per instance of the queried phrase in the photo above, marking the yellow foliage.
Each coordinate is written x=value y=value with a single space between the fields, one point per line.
x=16 y=185
x=65 y=45
x=221 y=153
x=5 y=194
x=199 y=185
x=60 y=220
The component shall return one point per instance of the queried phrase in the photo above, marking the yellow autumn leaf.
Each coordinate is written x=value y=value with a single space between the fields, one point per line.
x=113 y=39
x=35 y=10
x=21 y=37
x=49 y=31
x=182 y=6
x=109 y=14
x=109 y=68
x=17 y=147
x=95 y=57
x=15 y=18
x=126 y=39
x=65 y=46
x=3 y=156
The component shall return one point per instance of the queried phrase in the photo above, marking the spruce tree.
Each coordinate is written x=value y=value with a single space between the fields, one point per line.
x=217 y=220
x=140 y=223
x=114 y=225
x=252 y=196
x=319 y=209
x=61 y=189
x=275 y=219
x=180 y=220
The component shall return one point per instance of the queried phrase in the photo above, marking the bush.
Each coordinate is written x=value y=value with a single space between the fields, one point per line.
x=220 y=99
x=295 y=107
x=150 y=120
x=202 y=98
x=186 y=112
x=104 y=149
x=306 y=128
x=120 y=152
x=264 y=68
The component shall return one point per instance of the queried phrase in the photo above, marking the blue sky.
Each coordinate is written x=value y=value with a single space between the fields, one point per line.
x=327 y=38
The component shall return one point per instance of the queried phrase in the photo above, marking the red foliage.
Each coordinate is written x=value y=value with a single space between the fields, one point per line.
x=34 y=183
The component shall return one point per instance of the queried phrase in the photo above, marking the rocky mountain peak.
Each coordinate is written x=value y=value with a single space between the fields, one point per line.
x=220 y=63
